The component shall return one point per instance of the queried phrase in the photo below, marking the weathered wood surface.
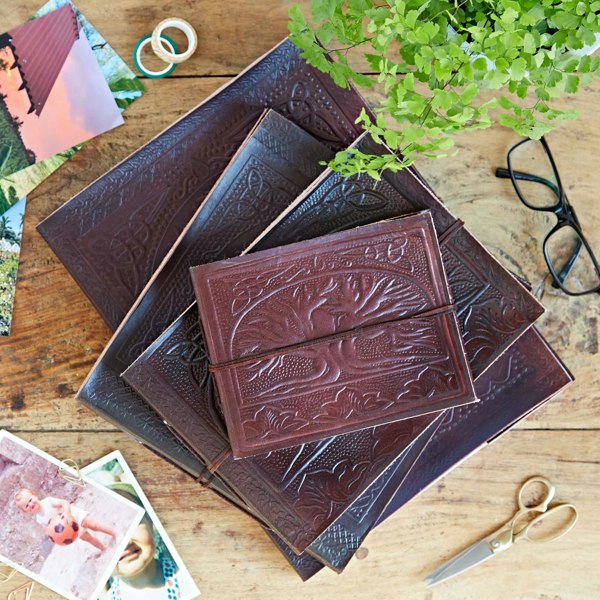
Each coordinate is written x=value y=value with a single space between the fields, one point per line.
x=57 y=336
x=232 y=559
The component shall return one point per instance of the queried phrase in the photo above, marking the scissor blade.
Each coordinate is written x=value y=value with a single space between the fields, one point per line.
x=472 y=556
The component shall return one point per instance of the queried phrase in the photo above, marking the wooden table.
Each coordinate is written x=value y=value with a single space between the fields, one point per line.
x=57 y=336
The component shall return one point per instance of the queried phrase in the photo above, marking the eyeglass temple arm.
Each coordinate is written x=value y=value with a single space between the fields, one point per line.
x=564 y=272
x=505 y=174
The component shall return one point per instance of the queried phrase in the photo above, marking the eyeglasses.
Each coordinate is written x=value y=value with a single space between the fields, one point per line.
x=569 y=257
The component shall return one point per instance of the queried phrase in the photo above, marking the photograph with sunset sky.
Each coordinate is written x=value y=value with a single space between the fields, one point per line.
x=53 y=95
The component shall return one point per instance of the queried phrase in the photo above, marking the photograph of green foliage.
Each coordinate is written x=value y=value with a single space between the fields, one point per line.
x=11 y=229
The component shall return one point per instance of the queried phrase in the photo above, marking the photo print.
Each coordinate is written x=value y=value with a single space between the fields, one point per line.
x=64 y=535
x=125 y=87
x=150 y=568
x=11 y=232
x=53 y=95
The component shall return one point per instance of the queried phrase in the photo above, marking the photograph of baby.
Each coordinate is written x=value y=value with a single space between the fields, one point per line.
x=150 y=568
x=66 y=536
x=53 y=94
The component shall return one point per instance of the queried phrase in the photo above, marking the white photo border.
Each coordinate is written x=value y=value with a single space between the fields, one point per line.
x=88 y=481
x=132 y=480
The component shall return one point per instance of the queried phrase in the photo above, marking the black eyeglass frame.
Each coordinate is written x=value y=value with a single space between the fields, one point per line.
x=565 y=215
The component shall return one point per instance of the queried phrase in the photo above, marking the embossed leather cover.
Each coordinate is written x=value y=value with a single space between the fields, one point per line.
x=493 y=308
x=114 y=234
x=332 y=335
x=298 y=491
x=173 y=374
x=273 y=165
x=338 y=544
x=528 y=374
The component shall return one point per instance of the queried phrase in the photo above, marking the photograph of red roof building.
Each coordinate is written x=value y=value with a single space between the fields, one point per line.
x=53 y=94
x=40 y=49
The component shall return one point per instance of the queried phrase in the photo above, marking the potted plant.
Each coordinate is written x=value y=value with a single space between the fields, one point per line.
x=451 y=65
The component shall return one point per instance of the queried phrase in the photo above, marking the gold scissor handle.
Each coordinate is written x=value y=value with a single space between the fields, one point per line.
x=518 y=528
x=547 y=497
x=529 y=534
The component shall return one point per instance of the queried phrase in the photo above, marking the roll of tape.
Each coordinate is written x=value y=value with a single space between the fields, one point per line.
x=137 y=57
x=172 y=56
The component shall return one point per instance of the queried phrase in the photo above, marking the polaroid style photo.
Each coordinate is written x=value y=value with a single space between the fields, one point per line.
x=53 y=94
x=149 y=568
x=65 y=535
x=123 y=83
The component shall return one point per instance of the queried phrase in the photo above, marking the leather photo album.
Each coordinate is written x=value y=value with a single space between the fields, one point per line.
x=332 y=335
x=183 y=393
x=181 y=390
x=494 y=309
x=275 y=163
x=114 y=234
x=526 y=376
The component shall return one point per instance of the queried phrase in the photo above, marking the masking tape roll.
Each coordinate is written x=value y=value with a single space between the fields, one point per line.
x=172 y=56
x=137 y=57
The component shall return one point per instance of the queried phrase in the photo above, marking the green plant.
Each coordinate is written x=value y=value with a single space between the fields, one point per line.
x=9 y=263
x=450 y=65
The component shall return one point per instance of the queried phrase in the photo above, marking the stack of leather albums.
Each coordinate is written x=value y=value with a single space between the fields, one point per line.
x=339 y=343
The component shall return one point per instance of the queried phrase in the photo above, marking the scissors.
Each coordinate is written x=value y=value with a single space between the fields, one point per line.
x=513 y=531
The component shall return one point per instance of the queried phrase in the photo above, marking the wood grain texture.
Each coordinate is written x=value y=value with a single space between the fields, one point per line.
x=225 y=550
x=57 y=336
x=44 y=367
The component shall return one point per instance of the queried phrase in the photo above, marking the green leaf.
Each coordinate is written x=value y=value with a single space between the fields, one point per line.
x=522 y=90
x=529 y=44
x=411 y=18
x=566 y=20
x=570 y=65
x=505 y=103
x=571 y=84
x=469 y=93
x=586 y=79
x=584 y=64
x=297 y=21
x=517 y=69
x=359 y=6
x=480 y=64
x=422 y=36
x=391 y=138
x=539 y=58
x=322 y=9
x=508 y=120
x=326 y=32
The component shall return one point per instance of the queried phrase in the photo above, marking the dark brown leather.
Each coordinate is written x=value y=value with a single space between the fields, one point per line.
x=520 y=381
x=114 y=234
x=525 y=376
x=338 y=544
x=493 y=308
x=298 y=491
x=332 y=335
x=273 y=165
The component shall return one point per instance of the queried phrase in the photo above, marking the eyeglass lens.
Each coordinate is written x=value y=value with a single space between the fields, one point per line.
x=541 y=189
x=571 y=262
